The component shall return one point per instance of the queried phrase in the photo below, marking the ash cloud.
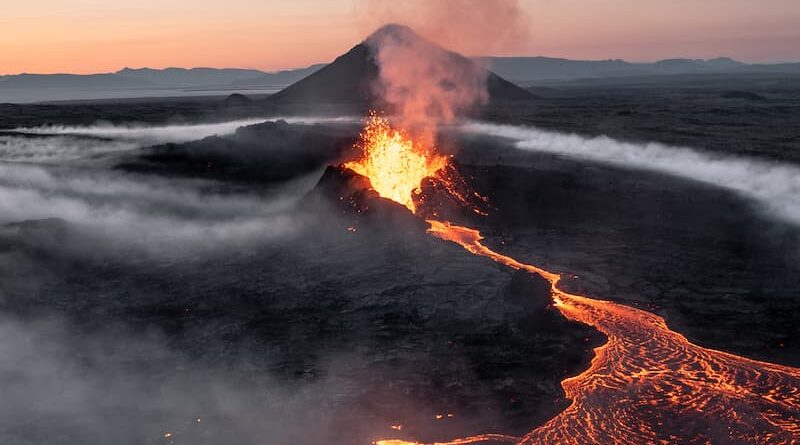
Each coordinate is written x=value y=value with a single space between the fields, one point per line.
x=773 y=185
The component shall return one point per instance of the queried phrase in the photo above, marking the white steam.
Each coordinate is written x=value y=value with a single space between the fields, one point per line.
x=145 y=134
x=774 y=185
x=156 y=134
x=56 y=148
x=160 y=215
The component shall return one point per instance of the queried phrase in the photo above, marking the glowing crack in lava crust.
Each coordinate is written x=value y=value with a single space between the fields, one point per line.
x=647 y=384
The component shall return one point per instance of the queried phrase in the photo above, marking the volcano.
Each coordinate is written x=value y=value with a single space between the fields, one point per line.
x=353 y=78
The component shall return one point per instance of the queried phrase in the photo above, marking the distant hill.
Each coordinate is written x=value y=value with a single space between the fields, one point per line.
x=352 y=76
x=278 y=78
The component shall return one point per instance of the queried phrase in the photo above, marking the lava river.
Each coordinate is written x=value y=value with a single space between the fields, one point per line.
x=650 y=385
x=647 y=384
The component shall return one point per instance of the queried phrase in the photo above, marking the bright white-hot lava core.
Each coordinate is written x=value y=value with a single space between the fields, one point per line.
x=647 y=384
x=393 y=162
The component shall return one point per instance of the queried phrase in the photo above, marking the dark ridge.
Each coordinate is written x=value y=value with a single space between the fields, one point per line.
x=747 y=95
x=354 y=199
x=237 y=100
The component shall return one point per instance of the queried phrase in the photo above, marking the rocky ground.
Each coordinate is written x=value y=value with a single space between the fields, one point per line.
x=352 y=321
x=349 y=319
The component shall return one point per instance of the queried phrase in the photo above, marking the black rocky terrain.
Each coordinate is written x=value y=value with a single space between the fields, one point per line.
x=382 y=323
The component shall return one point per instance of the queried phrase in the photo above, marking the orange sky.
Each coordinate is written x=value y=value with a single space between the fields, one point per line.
x=83 y=36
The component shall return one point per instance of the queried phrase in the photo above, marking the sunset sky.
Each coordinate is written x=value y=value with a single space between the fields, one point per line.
x=85 y=36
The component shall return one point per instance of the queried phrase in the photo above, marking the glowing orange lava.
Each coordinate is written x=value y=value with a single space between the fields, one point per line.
x=650 y=385
x=647 y=384
x=460 y=441
x=394 y=164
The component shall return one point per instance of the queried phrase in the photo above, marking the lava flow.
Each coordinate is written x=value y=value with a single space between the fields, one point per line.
x=647 y=384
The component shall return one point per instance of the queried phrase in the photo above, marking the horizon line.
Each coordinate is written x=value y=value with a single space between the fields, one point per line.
x=278 y=70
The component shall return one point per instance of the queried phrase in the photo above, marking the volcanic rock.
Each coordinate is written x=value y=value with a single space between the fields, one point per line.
x=353 y=76
x=354 y=198
x=263 y=153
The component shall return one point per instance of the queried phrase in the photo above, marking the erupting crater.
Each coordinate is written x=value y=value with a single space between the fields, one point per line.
x=647 y=384
x=393 y=162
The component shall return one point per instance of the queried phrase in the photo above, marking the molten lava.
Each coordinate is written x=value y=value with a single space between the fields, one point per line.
x=647 y=384
x=394 y=164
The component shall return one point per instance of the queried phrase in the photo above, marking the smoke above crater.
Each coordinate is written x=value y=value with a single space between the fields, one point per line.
x=421 y=82
x=424 y=85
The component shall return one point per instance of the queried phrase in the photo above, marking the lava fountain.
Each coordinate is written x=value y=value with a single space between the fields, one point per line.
x=393 y=162
x=647 y=384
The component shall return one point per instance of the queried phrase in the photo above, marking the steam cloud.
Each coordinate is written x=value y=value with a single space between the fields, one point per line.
x=774 y=185
x=160 y=216
x=57 y=148
x=157 y=134
x=145 y=134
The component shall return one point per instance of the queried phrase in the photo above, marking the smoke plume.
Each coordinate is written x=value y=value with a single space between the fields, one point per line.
x=425 y=85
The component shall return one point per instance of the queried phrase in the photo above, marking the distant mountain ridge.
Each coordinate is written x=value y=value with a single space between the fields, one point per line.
x=148 y=82
x=552 y=68
x=512 y=68
x=158 y=78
